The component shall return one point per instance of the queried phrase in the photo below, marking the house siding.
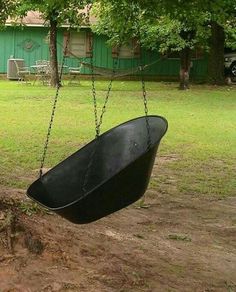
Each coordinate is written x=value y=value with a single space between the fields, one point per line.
x=12 y=39
x=13 y=45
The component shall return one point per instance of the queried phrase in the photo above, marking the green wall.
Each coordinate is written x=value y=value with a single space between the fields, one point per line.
x=12 y=45
x=13 y=42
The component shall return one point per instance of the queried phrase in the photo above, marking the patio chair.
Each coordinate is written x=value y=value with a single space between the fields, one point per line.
x=74 y=75
x=22 y=72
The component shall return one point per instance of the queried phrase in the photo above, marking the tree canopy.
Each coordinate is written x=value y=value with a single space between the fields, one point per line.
x=61 y=11
x=164 y=25
x=172 y=25
x=56 y=13
x=7 y=8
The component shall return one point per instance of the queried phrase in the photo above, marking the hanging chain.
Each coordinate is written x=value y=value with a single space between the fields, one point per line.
x=53 y=111
x=93 y=88
x=141 y=68
x=144 y=92
x=115 y=64
x=98 y=122
x=145 y=102
x=92 y=76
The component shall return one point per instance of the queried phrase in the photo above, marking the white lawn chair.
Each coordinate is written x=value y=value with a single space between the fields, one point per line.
x=74 y=75
x=22 y=72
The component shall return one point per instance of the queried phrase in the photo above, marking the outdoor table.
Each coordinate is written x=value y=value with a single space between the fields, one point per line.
x=41 y=73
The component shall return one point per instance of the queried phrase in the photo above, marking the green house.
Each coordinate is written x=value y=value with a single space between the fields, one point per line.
x=30 y=42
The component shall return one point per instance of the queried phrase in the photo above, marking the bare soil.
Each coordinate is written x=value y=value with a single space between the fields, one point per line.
x=178 y=243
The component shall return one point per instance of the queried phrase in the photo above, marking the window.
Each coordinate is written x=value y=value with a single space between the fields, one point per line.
x=195 y=54
x=130 y=50
x=78 y=44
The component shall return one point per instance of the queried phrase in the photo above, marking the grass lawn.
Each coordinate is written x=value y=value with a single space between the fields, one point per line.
x=200 y=145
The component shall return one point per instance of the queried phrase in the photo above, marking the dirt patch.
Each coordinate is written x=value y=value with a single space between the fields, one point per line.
x=179 y=243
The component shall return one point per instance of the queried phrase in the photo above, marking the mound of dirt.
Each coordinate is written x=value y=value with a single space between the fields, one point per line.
x=174 y=244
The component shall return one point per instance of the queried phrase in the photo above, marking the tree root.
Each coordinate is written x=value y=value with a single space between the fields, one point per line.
x=7 y=224
x=14 y=229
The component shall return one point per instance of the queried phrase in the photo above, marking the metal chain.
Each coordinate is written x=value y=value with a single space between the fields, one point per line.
x=144 y=92
x=149 y=141
x=92 y=76
x=145 y=102
x=91 y=158
x=98 y=122
x=94 y=89
x=141 y=68
x=53 y=111
x=115 y=64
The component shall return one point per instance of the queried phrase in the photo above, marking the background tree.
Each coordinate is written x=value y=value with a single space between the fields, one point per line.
x=157 y=28
x=7 y=8
x=221 y=17
x=55 y=13
x=172 y=34
x=230 y=31
x=178 y=25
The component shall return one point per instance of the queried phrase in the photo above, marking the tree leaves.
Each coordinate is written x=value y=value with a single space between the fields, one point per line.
x=162 y=23
x=7 y=8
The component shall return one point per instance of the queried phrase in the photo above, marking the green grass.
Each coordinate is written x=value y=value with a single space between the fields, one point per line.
x=201 y=135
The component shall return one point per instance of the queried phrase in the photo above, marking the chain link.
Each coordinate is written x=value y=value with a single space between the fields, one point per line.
x=115 y=64
x=93 y=77
x=144 y=92
x=94 y=89
x=98 y=122
x=141 y=68
x=53 y=112
x=145 y=102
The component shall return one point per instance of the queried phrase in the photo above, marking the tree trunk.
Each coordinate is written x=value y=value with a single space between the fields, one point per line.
x=216 y=55
x=53 y=53
x=185 y=63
